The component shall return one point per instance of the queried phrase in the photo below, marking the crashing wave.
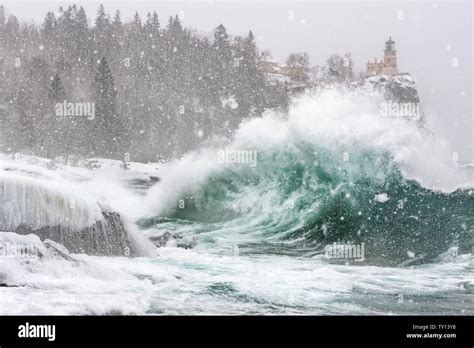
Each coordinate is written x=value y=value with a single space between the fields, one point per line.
x=324 y=174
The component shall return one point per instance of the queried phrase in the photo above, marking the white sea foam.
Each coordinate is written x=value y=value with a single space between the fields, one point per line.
x=189 y=282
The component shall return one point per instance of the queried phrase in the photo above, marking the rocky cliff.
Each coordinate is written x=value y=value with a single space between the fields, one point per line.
x=401 y=94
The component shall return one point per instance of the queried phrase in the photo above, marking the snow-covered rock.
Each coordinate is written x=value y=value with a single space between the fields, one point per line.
x=52 y=204
x=399 y=90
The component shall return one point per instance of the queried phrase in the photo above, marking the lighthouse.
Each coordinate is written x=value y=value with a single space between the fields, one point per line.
x=390 y=58
x=388 y=66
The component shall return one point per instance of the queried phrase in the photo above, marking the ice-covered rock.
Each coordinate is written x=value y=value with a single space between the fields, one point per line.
x=37 y=203
x=34 y=201
x=21 y=246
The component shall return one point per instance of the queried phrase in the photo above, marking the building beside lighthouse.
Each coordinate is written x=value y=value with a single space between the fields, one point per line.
x=388 y=65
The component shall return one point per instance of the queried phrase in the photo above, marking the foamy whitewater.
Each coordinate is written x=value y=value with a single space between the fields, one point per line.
x=251 y=238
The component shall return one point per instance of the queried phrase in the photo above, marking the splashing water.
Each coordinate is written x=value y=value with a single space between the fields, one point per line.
x=251 y=239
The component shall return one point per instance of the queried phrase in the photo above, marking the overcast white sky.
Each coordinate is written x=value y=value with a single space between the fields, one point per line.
x=429 y=36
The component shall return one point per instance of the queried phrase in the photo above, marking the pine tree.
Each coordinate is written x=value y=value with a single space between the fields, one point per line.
x=31 y=102
x=137 y=22
x=58 y=132
x=222 y=45
x=223 y=61
x=81 y=23
x=2 y=16
x=109 y=130
x=25 y=121
x=103 y=42
x=137 y=36
x=155 y=23
x=117 y=22
x=49 y=26
x=2 y=26
x=57 y=93
x=82 y=38
x=12 y=31
x=249 y=80
x=155 y=40
x=101 y=20
x=117 y=35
